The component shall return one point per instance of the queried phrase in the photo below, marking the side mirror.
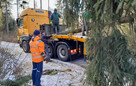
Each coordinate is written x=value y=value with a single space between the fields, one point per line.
x=17 y=21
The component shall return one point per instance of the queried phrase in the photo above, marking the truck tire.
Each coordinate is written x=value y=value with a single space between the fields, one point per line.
x=25 y=46
x=50 y=50
x=63 y=53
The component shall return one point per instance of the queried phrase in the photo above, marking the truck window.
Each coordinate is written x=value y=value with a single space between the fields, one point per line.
x=21 y=23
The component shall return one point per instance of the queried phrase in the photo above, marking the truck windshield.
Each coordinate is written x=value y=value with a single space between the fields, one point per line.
x=21 y=23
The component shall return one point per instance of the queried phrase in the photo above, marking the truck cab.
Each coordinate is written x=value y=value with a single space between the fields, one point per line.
x=29 y=20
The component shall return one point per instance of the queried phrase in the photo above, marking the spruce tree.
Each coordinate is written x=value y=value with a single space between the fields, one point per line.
x=111 y=62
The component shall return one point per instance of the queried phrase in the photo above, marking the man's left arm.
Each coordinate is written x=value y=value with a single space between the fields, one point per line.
x=59 y=16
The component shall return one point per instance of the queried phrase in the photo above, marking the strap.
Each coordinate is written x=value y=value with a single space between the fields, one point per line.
x=35 y=69
x=38 y=42
x=32 y=47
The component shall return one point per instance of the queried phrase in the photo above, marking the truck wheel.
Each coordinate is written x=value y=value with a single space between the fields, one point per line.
x=50 y=50
x=25 y=47
x=63 y=53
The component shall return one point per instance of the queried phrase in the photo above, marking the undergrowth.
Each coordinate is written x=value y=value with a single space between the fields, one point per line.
x=18 y=82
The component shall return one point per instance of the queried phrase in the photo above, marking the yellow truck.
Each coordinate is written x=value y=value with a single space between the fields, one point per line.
x=63 y=46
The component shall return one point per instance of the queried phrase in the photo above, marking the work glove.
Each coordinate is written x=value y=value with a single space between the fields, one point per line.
x=51 y=22
x=61 y=17
x=45 y=57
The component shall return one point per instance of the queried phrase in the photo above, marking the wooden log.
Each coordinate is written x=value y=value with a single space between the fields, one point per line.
x=122 y=20
x=126 y=19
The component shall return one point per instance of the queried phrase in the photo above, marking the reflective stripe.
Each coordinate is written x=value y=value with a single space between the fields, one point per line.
x=36 y=53
x=35 y=69
x=37 y=44
x=38 y=71
x=37 y=56
x=39 y=40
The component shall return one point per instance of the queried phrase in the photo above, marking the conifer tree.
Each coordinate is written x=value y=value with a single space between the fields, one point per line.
x=111 y=62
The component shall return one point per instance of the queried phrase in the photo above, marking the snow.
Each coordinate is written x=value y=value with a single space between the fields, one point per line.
x=75 y=77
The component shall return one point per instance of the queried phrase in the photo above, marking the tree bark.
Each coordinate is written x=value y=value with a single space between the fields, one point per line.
x=122 y=20
x=127 y=19
x=34 y=3
x=17 y=10
x=40 y=4
x=48 y=5
x=7 y=27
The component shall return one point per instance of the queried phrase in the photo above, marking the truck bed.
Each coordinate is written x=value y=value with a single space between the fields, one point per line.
x=71 y=37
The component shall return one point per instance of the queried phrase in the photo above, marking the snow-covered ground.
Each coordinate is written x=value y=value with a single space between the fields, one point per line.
x=75 y=77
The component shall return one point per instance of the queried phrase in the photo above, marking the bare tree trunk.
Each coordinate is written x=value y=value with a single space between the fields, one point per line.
x=66 y=17
x=7 y=27
x=48 y=5
x=34 y=3
x=17 y=10
x=40 y=4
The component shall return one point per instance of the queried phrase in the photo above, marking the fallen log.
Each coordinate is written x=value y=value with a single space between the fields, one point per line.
x=122 y=20
x=53 y=72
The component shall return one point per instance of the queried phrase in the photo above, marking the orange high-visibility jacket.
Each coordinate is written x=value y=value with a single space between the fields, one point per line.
x=36 y=48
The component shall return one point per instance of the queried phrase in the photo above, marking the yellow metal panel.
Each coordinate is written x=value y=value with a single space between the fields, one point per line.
x=18 y=37
x=69 y=37
x=74 y=38
x=84 y=50
x=34 y=12
x=20 y=31
x=81 y=40
x=39 y=20
x=25 y=26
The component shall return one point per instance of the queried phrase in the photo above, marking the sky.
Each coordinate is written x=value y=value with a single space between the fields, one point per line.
x=31 y=5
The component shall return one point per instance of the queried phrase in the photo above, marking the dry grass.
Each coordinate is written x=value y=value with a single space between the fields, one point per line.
x=11 y=38
x=6 y=59
x=8 y=65
x=6 y=62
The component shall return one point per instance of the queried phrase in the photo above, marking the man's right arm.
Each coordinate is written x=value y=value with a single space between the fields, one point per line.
x=51 y=19
x=41 y=47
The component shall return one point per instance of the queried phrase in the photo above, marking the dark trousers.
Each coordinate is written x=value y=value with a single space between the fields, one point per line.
x=46 y=50
x=56 y=28
x=37 y=73
x=85 y=27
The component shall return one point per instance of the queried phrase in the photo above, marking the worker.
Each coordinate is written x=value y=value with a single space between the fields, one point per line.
x=38 y=56
x=86 y=20
x=45 y=39
x=55 y=21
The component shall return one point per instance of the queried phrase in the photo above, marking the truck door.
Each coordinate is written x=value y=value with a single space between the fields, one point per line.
x=20 y=29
